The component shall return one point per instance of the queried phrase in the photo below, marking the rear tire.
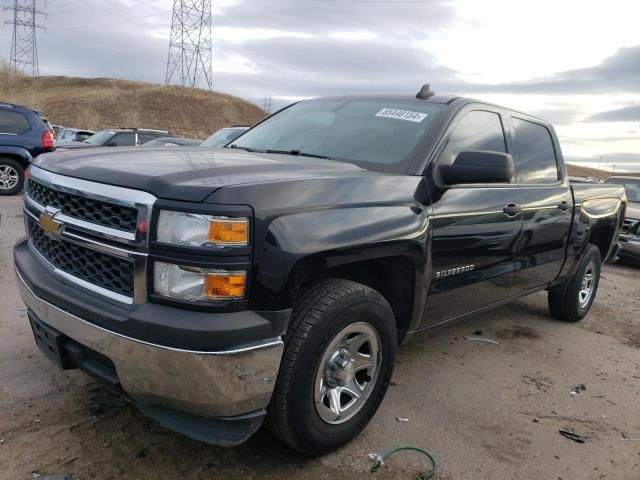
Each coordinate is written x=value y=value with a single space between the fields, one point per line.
x=572 y=301
x=337 y=363
x=11 y=176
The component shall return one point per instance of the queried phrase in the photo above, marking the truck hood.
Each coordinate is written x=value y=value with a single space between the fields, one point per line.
x=187 y=174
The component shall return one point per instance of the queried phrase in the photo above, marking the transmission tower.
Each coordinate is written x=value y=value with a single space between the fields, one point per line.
x=266 y=104
x=24 y=48
x=189 y=60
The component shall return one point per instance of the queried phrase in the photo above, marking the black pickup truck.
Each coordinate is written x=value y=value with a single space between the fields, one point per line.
x=275 y=278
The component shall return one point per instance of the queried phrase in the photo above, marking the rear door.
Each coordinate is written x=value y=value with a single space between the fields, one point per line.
x=546 y=200
x=473 y=244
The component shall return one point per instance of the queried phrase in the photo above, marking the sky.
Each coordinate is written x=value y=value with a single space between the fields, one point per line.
x=575 y=63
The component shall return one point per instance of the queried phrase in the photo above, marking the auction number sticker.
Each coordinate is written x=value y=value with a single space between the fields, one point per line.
x=402 y=115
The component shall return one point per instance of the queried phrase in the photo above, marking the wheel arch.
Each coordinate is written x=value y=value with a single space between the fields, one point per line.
x=397 y=277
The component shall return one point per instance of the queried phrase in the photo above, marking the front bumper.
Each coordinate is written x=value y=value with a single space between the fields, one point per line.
x=630 y=246
x=185 y=390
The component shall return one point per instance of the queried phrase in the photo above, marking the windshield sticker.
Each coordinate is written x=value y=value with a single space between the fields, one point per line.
x=402 y=115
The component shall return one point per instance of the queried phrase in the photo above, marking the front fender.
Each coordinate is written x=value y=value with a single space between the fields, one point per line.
x=299 y=245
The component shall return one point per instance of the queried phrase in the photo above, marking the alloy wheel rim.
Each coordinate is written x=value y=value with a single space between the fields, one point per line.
x=347 y=373
x=8 y=177
x=587 y=284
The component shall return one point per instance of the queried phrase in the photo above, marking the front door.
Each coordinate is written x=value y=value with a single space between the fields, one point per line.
x=474 y=232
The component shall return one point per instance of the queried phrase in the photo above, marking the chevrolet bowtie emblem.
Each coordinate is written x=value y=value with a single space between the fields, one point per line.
x=48 y=223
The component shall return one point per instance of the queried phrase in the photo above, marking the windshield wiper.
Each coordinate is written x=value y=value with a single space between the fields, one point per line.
x=246 y=149
x=298 y=153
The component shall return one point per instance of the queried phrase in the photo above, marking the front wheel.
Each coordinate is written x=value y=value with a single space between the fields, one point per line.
x=337 y=364
x=572 y=301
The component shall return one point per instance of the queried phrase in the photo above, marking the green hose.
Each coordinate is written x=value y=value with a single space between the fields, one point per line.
x=380 y=460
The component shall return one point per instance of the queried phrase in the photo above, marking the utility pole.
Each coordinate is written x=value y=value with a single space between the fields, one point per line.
x=24 y=47
x=189 y=59
x=266 y=104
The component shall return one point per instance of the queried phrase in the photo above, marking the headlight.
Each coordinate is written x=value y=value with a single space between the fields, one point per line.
x=197 y=230
x=192 y=283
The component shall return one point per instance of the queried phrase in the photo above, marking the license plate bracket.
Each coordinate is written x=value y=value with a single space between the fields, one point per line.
x=50 y=342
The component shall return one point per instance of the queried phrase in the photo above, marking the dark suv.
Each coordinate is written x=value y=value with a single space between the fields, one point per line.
x=23 y=136
x=117 y=137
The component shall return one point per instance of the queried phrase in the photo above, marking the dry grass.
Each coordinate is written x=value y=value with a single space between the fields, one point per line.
x=98 y=103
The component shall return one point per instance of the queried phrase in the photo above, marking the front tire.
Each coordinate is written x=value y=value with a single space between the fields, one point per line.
x=572 y=301
x=11 y=176
x=337 y=363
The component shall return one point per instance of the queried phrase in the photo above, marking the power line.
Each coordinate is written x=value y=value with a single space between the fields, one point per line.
x=189 y=58
x=24 y=47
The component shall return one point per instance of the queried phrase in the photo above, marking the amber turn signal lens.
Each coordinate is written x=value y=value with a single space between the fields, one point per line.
x=221 y=287
x=229 y=232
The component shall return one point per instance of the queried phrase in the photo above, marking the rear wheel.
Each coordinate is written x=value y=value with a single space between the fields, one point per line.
x=11 y=176
x=337 y=364
x=572 y=301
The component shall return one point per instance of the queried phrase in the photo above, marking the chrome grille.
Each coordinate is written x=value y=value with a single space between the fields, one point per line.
x=112 y=273
x=88 y=209
x=631 y=226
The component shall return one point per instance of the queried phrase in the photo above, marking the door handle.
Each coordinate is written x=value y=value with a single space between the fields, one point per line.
x=512 y=209
x=564 y=206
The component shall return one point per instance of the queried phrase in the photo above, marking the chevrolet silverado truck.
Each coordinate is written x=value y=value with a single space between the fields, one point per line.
x=273 y=280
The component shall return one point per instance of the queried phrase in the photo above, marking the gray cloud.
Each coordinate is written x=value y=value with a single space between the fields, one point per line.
x=619 y=73
x=625 y=114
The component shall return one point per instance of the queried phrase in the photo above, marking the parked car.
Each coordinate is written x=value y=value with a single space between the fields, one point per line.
x=120 y=137
x=57 y=130
x=630 y=234
x=578 y=179
x=173 y=142
x=276 y=278
x=74 y=135
x=224 y=136
x=23 y=136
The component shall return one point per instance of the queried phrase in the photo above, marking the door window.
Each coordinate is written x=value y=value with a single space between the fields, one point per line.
x=536 y=161
x=478 y=130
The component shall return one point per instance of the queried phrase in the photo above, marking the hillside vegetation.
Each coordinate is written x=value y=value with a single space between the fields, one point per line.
x=97 y=103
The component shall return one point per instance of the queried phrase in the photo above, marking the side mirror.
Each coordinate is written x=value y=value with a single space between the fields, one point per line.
x=112 y=144
x=478 y=166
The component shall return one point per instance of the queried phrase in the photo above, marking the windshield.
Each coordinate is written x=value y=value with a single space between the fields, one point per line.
x=378 y=134
x=223 y=136
x=100 y=138
x=631 y=187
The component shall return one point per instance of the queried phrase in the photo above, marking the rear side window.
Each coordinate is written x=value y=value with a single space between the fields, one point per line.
x=13 y=122
x=123 y=140
x=146 y=137
x=536 y=162
x=477 y=130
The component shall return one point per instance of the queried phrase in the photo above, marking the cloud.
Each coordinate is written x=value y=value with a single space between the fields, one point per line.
x=625 y=114
x=619 y=73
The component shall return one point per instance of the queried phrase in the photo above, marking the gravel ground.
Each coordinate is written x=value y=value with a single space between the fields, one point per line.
x=485 y=411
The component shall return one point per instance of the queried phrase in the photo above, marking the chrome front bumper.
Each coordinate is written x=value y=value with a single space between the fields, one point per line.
x=630 y=245
x=209 y=384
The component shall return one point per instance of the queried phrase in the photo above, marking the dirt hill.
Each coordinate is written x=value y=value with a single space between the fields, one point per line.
x=97 y=103
x=579 y=171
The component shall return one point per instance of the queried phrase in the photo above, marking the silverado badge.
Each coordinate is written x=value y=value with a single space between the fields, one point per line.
x=454 y=271
x=48 y=223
